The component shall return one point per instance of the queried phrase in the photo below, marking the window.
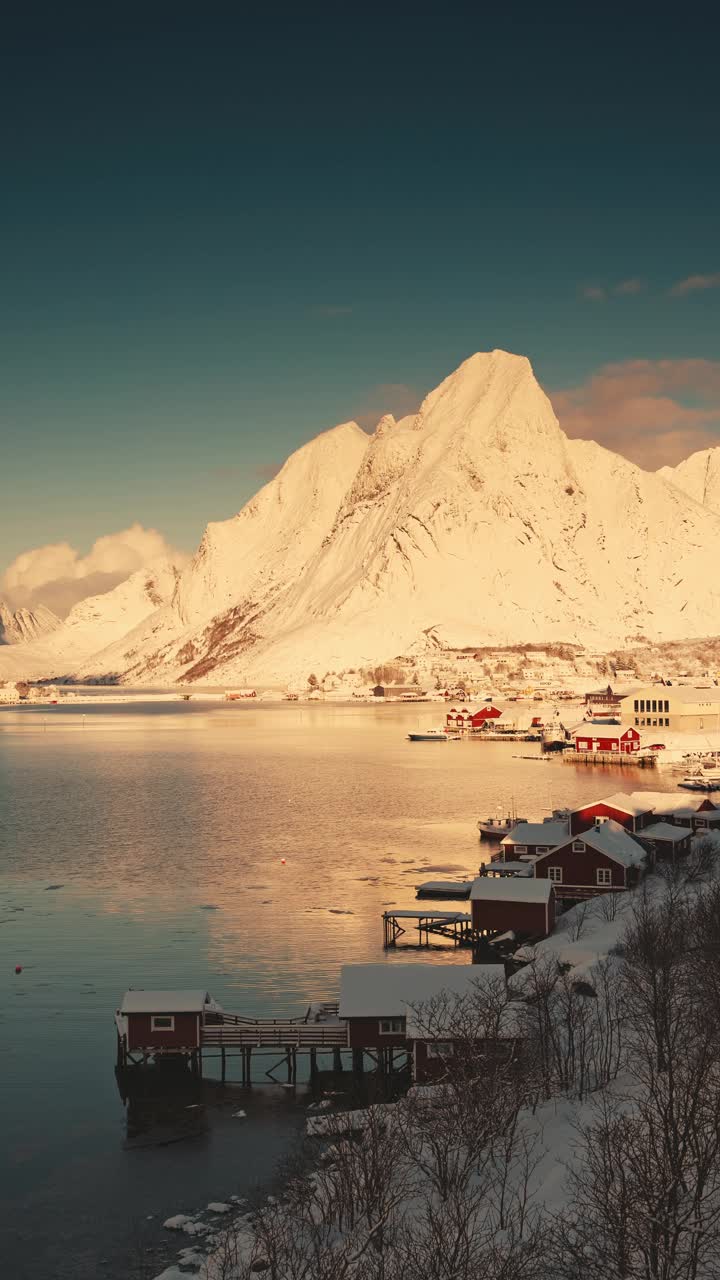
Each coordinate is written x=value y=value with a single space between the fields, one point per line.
x=642 y=704
x=636 y=720
x=519 y=848
x=654 y=704
x=578 y=846
x=613 y=746
x=555 y=874
x=636 y=707
x=542 y=848
x=654 y=722
x=162 y=1022
x=667 y=706
x=440 y=1049
x=604 y=876
x=392 y=1026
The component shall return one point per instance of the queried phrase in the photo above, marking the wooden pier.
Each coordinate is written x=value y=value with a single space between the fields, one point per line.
x=622 y=758
x=223 y=1036
x=456 y=926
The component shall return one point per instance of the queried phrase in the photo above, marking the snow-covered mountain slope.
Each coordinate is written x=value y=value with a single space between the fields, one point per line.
x=243 y=564
x=93 y=623
x=698 y=475
x=475 y=520
x=260 y=550
x=20 y=626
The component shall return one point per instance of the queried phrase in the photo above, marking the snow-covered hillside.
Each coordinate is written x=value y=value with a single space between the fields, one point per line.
x=20 y=626
x=92 y=624
x=474 y=521
x=698 y=475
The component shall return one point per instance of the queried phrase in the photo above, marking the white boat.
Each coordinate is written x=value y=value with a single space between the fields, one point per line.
x=496 y=828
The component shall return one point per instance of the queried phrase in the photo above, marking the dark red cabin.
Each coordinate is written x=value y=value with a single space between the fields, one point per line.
x=165 y=1021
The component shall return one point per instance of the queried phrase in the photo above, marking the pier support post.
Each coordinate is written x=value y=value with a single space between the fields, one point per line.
x=313 y=1064
x=358 y=1058
x=222 y=1062
x=337 y=1060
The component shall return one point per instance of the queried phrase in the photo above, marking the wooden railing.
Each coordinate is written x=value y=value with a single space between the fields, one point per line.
x=276 y=1034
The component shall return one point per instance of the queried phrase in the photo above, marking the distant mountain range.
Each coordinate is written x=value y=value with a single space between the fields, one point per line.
x=474 y=521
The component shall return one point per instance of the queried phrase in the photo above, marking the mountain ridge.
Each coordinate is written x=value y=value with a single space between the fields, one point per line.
x=474 y=520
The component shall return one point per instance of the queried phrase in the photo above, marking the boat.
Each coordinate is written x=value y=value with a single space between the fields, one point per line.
x=701 y=782
x=496 y=828
x=433 y=735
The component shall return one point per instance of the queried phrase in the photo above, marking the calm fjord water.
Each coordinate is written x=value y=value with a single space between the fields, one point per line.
x=141 y=845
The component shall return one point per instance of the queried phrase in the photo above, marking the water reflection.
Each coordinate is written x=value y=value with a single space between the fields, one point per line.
x=146 y=849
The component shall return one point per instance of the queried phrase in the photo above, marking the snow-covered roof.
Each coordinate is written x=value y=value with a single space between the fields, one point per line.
x=614 y=841
x=510 y=889
x=165 y=1001
x=633 y=805
x=665 y=831
x=669 y=801
x=549 y=833
x=385 y=990
x=687 y=693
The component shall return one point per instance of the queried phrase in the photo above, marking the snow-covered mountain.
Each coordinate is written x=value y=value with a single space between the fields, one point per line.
x=92 y=624
x=20 y=626
x=476 y=520
x=698 y=475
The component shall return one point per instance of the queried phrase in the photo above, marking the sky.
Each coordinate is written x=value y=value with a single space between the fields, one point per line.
x=225 y=228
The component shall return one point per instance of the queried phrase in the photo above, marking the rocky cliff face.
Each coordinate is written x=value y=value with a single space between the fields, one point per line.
x=475 y=520
x=20 y=626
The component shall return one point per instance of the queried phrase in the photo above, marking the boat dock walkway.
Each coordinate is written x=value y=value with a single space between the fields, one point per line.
x=454 y=925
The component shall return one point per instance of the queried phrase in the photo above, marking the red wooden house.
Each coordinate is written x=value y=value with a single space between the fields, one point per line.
x=527 y=839
x=609 y=738
x=466 y=719
x=155 y=1022
x=518 y=903
x=378 y=1000
x=602 y=859
x=632 y=812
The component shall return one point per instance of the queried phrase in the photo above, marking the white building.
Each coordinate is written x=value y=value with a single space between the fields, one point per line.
x=672 y=706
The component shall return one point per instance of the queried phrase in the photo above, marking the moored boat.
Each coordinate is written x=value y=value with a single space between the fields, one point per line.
x=433 y=735
x=496 y=828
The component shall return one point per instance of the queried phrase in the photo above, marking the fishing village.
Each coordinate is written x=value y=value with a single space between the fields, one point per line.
x=530 y=873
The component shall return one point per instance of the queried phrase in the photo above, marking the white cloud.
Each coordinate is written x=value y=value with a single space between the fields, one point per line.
x=57 y=575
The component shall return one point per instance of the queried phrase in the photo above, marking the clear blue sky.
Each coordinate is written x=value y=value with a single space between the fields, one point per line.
x=222 y=227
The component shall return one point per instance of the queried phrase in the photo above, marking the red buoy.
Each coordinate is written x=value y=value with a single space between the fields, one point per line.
x=18 y=968
x=282 y=860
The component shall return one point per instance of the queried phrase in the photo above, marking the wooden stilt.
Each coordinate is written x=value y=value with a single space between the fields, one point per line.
x=337 y=1060
x=358 y=1061
x=222 y=1064
x=313 y=1064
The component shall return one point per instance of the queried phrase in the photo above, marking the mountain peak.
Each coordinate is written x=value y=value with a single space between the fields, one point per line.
x=20 y=626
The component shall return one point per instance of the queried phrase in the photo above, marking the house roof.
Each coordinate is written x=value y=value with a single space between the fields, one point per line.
x=666 y=831
x=669 y=801
x=385 y=990
x=633 y=805
x=684 y=693
x=165 y=1001
x=614 y=841
x=550 y=833
x=510 y=889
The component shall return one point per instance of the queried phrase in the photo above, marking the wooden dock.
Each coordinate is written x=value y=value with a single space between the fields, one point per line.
x=618 y=758
x=453 y=925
